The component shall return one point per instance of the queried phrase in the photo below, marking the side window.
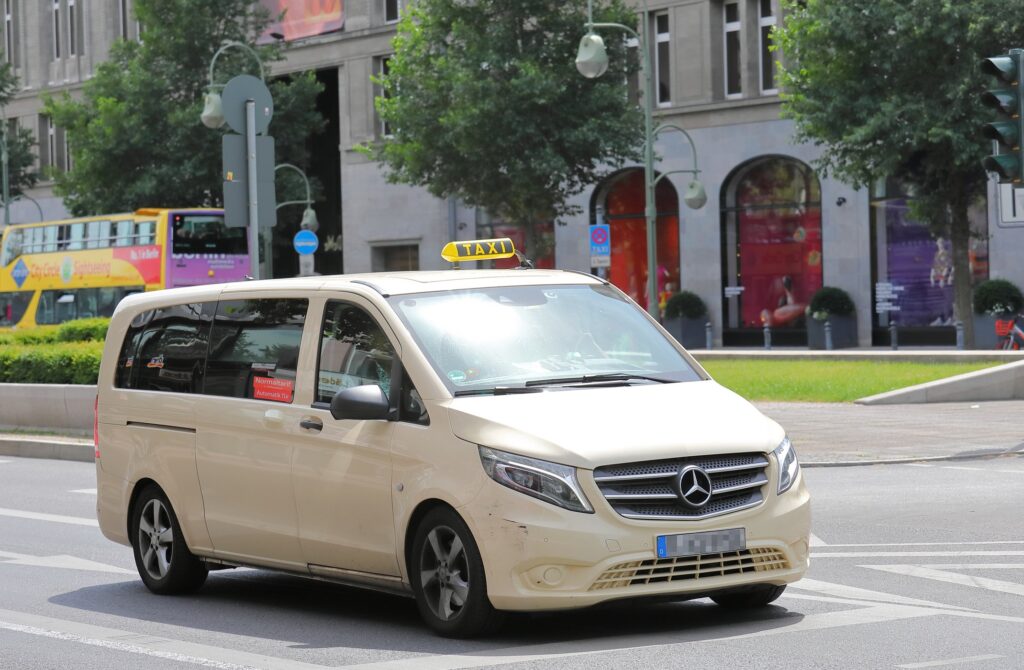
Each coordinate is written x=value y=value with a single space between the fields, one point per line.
x=254 y=349
x=353 y=352
x=129 y=350
x=172 y=349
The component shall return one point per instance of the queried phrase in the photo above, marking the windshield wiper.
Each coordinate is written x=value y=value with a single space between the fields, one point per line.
x=595 y=379
x=497 y=390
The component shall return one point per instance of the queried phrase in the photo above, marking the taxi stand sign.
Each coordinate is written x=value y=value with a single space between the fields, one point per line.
x=478 y=250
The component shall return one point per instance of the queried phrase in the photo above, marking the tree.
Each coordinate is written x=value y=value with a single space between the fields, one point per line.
x=486 y=105
x=889 y=88
x=20 y=157
x=135 y=136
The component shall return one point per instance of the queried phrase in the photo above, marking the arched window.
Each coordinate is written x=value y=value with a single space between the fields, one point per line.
x=623 y=199
x=771 y=233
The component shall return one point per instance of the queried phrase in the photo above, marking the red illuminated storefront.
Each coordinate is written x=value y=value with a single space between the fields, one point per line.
x=772 y=253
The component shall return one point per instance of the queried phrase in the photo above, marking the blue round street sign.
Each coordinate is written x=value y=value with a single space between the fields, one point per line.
x=305 y=242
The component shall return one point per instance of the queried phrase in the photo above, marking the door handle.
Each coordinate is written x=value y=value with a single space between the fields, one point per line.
x=310 y=423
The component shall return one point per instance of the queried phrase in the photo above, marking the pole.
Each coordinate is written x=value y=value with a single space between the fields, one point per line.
x=254 y=214
x=7 y=180
x=651 y=209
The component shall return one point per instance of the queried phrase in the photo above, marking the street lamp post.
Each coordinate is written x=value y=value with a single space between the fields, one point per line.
x=309 y=221
x=592 y=62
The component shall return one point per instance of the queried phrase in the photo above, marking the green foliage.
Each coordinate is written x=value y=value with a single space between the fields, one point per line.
x=64 y=363
x=826 y=380
x=830 y=301
x=486 y=104
x=83 y=330
x=20 y=157
x=685 y=304
x=135 y=135
x=996 y=297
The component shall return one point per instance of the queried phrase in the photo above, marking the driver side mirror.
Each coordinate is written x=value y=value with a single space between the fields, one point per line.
x=367 y=402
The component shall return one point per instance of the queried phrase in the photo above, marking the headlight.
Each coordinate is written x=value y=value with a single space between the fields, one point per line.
x=550 y=482
x=789 y=466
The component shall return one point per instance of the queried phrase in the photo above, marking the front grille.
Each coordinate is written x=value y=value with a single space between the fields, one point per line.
x=657 y=570
x=648 y=490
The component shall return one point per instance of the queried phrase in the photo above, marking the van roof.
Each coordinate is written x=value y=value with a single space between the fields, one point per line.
x=389 y=283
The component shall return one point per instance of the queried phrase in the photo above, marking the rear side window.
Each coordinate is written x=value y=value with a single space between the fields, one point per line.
x=254 y=348
x=169 y=349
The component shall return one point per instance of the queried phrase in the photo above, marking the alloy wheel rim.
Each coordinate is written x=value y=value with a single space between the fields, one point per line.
x=444 y=573
x=156 y=539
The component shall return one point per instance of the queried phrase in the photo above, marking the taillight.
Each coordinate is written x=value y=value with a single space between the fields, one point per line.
x=96 y=425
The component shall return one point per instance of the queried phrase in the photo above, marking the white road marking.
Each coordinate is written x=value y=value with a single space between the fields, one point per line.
x=59 y=561
x=952 y=661
x=2 y=461
x=854 y=593
x=919 y=465
x=908 y=554
x=960 y=467
x=817 y=541
x=952 y=578
x=146 y=645
x=975 y=566
x=922 y=544
x=57 y=518
x=90 y=492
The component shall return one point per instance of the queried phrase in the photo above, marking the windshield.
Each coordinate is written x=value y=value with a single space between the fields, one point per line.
x=513 y=335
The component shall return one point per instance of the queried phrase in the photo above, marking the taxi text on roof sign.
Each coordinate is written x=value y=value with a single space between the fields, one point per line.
x=478 y=250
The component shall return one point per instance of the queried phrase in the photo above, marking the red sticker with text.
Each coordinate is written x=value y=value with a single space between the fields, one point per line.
x=270 y=388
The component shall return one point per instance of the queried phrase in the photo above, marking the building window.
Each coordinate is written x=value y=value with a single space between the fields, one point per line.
x=65 y=150
x=733 y=88
x=395 y=258
x=50 y=132
x=662 y=59
x=9 y=31
x=56 y=29
x=72 y=29
x=383 y=70
x=766 y=23
x=124 y=18
x=390 y=11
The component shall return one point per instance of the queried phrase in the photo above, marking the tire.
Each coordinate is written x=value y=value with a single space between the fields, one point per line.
x=162 y=558
x=748 y=598
x=447 y=576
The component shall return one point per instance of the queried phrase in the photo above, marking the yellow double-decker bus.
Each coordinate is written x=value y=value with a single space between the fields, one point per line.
x=56 y=271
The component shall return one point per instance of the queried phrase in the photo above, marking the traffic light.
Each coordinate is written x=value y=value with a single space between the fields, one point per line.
x=1008 y=100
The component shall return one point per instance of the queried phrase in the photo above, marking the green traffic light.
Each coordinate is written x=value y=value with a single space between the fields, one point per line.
x=1007 y=166
x=1003 y=67
x=1003 y=99
x=1006 y=133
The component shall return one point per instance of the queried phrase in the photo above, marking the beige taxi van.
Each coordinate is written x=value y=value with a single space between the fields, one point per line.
x=480 y=440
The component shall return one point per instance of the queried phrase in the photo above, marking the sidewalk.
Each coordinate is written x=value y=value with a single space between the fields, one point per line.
x=825 y=434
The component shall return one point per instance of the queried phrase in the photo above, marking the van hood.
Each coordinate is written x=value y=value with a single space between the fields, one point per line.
x=591 y=426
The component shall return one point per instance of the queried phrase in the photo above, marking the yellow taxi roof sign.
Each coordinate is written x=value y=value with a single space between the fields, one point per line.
x=478 y=250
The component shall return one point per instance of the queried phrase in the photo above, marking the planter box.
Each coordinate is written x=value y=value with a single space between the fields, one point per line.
x=844 y=332
x=689 y=332
x=985 y=331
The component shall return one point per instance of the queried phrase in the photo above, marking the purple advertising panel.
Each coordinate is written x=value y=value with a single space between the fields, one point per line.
x=295 y=19
x=203 y=250
x=920 y=268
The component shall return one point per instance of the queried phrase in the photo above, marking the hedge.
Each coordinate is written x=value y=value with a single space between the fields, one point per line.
x=79 y=330
x=61 y=363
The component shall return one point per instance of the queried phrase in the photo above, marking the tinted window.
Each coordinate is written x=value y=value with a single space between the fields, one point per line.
x=353 y=351
x=172 y=349
x=129 y=350
x=254 y=349
x=13 y=306
x=65 y=305
x=205 y=234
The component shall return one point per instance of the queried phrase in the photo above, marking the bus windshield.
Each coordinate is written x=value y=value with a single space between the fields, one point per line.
x=205 y=234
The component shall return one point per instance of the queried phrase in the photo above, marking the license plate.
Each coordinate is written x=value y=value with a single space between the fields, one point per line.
x=708 y=542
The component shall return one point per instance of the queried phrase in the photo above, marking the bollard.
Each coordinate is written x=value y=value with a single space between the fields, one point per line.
x=767 y=336
x=959 y=335
x=893 y=336
x=709 y=339
x=828 y=335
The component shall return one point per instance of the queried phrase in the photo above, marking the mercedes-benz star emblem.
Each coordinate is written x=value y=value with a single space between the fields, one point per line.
x=694 y=487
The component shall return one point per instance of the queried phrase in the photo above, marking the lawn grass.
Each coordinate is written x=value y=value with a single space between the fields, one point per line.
x=826 y=381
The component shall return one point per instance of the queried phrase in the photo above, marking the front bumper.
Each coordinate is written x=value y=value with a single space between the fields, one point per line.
x=540 y=557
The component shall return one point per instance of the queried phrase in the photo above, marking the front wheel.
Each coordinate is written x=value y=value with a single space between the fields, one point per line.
x=447 y=576
x=165 y=564
x=757 y=596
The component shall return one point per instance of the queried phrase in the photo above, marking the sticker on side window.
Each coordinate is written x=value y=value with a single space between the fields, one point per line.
x=269 y=388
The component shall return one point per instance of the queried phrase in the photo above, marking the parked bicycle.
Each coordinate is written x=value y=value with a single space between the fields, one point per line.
x=1009 y=333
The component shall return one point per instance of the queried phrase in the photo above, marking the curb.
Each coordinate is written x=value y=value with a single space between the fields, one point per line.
x=46 y=447
x=967 y=456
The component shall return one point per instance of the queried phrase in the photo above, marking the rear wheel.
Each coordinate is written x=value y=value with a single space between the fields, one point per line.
x=165 y=564
x=447 y=576
x=758 y=596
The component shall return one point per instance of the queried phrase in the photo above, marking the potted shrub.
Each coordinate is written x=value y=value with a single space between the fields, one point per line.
x=994 y=299
x=685 y=316
x=832 y=305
